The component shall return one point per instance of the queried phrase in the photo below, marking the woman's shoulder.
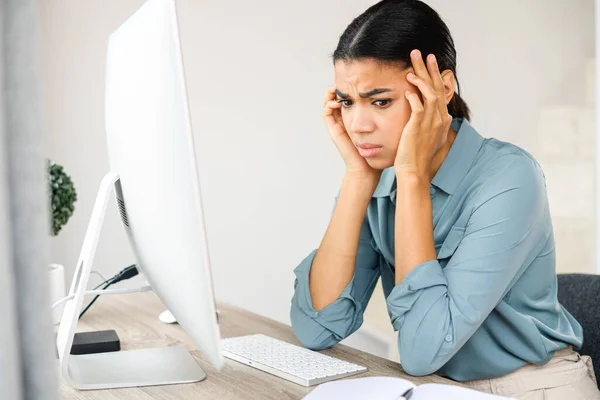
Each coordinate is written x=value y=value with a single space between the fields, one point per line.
x=499 y=151
x=500 y=156
x=503 y=166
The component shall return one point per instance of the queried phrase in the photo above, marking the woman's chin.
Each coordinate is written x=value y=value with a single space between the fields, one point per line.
x=379 y=162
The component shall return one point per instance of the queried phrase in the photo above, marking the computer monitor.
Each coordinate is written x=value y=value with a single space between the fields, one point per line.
x=155 y=178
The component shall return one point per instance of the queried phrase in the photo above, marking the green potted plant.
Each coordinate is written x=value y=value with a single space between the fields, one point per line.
x=62 y=196
x=62 y=205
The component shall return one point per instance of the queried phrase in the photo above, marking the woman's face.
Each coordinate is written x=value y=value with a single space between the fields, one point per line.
x=374 y=108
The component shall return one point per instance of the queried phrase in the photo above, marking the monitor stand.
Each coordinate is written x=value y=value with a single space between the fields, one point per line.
x=125 y=368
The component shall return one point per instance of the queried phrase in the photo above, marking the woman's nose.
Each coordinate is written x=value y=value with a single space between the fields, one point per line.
x=361 y=122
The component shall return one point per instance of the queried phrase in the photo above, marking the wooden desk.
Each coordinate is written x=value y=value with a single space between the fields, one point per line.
x=135 y=318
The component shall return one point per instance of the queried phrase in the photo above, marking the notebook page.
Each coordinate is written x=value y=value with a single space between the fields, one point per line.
x=375 y=388
x=434 y=391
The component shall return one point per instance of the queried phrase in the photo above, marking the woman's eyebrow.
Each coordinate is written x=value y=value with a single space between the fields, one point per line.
x=366 y=95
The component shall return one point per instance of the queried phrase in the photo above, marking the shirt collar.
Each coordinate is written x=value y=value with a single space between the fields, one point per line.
x=387 y=183
x=457 y=163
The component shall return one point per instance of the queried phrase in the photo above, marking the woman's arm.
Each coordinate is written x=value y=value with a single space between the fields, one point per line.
x=334 y=284
x=414 y=225
x=435 y=310
x=425 y=133
x=333 y=265
x=342 y=277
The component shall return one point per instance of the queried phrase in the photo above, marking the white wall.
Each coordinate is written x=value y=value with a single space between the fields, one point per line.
x=256 y=74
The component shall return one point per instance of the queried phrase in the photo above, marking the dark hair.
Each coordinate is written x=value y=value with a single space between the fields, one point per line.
x=389 y=30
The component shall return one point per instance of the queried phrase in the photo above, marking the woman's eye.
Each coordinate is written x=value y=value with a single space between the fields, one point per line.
x=345 y=103
x=382 y=103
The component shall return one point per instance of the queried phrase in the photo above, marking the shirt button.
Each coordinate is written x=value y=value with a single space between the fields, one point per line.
x=432 y=191
x=448 y=338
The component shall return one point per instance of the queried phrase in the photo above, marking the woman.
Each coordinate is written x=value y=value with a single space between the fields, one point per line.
x=457 y=226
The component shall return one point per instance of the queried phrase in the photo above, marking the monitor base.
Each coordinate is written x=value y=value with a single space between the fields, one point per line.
x=132 y=368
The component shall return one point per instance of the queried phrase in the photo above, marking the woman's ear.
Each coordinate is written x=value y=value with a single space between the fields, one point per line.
x=449 y=81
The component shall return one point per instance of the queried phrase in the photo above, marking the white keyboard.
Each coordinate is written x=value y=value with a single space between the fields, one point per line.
x=294 y=363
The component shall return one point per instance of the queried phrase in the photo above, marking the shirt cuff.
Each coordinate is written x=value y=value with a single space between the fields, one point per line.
x=406 y=293
x=338 y=317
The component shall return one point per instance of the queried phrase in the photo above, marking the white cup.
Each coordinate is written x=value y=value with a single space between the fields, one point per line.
x=57 y=290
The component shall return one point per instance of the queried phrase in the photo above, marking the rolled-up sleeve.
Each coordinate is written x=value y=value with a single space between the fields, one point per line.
x=436 y=310
x=322 y=329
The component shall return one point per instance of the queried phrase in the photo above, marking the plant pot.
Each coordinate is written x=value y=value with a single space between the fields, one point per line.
x=57 y=290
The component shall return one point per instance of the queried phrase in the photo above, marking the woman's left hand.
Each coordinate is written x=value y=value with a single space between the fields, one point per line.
x=429 y=123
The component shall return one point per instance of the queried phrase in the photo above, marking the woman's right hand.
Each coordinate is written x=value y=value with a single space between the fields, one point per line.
x=356 y=165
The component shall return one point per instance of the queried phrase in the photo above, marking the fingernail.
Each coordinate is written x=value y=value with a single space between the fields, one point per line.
x=433 y=60
x=410 y=75
x=416 y=54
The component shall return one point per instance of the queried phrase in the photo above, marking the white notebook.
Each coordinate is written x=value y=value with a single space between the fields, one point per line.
x=388 y=388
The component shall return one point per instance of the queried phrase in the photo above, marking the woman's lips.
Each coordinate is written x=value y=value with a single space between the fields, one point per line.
x=368 y=149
